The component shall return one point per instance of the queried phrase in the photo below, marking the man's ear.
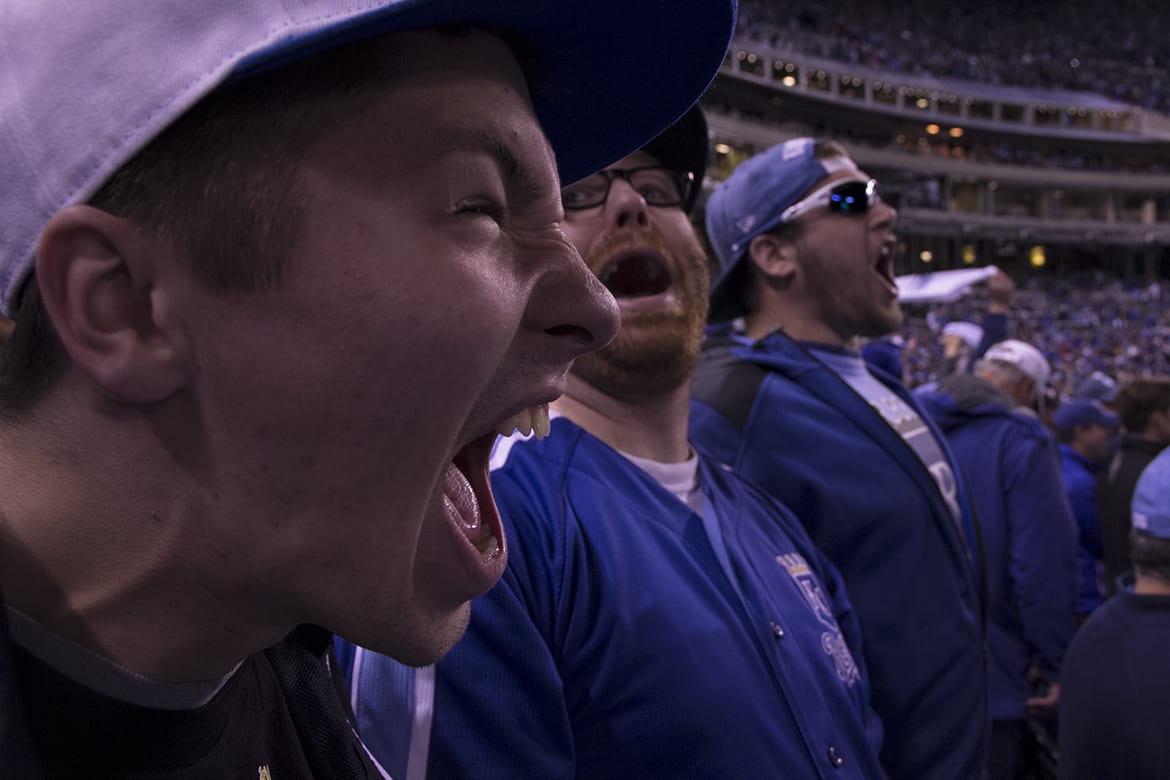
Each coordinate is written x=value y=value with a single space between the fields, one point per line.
x=1026 y=390
x=774 y=257
x=99 y=277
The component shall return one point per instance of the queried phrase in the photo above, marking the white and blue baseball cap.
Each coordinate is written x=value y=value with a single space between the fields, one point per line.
x=1151 y=498
x=86 y=84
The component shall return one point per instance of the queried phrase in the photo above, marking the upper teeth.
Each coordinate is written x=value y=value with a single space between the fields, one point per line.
x=530 y=421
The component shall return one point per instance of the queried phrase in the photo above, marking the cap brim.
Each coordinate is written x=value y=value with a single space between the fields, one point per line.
x=726 y=293
x=605 y=77
x=596 y=69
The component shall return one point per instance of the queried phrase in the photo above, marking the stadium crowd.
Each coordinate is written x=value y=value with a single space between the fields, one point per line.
x=1026 y=44
x=1083 y=325
x=255 y=465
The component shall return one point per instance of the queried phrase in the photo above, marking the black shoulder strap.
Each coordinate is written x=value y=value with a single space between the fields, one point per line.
x=17 y=756
x=321 y=716
x=726 y=383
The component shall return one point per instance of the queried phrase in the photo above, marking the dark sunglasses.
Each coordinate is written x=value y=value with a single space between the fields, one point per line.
x=849 y=198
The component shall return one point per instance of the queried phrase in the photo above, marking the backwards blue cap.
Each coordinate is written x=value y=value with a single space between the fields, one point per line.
x=1151 y=498
x=85 y=85
x=750 y=203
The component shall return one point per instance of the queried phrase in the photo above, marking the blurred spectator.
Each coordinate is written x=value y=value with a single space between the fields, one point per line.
x=1020 y=368
x=1144 y=408
x=1082 y=324
x=886 y=354
x=1097 y=387
x=1084 y=428
x=1115 y=707
x=1028 y=532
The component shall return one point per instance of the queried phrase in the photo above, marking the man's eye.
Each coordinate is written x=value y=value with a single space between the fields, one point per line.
x=576 y=196
x=653 y=192
x=481 y=207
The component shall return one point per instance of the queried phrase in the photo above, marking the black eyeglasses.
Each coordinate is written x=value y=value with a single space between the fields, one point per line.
x=657 y=186
x=850 y=198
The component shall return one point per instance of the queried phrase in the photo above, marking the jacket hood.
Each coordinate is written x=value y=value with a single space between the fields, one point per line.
x=959 y=398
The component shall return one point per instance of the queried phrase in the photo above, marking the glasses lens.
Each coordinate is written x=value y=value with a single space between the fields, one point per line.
x=852 y=197
x=657 y=186
x=588 y=192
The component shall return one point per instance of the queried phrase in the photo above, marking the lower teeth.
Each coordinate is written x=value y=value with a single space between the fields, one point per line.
x=488 y=545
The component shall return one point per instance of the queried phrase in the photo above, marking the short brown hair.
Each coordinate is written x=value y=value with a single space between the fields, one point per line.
x=219 y=184
x=1139 y=398
x=1150 y=554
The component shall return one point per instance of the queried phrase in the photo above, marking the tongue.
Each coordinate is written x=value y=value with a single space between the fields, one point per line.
x=460 y=500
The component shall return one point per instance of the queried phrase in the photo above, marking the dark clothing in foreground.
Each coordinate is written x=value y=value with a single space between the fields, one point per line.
x=279 y=716
x=1115 y=692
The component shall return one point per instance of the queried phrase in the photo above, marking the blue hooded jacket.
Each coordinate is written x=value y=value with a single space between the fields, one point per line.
x=781 y=418
x=1011 y=468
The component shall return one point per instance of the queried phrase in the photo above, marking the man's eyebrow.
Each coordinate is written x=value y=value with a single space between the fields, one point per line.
x=520 y=179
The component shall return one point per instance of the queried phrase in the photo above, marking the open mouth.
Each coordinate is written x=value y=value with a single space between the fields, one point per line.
x=467 y=486
x=470 y=508
x=468 y=495
x=636 y=275
x=885 y=265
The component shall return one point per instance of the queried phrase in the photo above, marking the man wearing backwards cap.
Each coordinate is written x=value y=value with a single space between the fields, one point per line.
x=805 y=245
x=278 y=272
x=1009 y=462
x=659 y=617
x=1084 y=428
x=1115 y=708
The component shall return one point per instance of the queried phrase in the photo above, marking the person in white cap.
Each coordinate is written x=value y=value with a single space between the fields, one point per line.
x=1028 y=534
x=1115 y=705
x=1020 y=370
x=278 y=273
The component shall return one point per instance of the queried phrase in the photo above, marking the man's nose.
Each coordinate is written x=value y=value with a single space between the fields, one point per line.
x=625 y=207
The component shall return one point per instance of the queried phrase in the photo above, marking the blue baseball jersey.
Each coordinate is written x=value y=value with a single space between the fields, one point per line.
x=633 y=637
